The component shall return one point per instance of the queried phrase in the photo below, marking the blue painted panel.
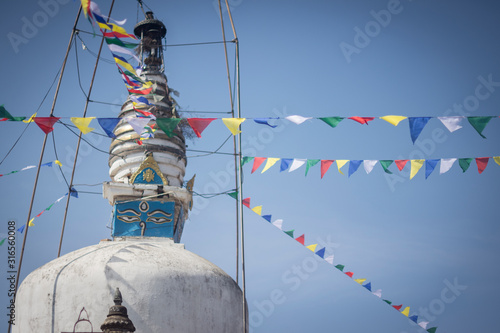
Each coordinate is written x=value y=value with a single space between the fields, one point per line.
x=148 y=176
x=144 y=218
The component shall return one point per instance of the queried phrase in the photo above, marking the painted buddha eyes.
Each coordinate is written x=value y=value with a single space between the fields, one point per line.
x=157 y=216
x=132 y=216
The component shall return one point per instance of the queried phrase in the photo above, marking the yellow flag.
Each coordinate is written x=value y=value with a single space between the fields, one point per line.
x=58 y=163
x=415 y=166
x=406 y=311
x=360 y=281
x=497 y=159
x=257 y=209
x=312 y=247
x=340 y=164
x=233 y=124
x=269 y=163
x=83 y=124
x=125 y=65
x=394 y=120
x=30 y=223
x=30 y=119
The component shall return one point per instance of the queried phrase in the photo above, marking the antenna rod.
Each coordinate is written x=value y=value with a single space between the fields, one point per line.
x=80 y=138
x=41 y=156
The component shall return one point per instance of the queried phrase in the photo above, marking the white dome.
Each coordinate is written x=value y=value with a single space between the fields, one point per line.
x=165 y=289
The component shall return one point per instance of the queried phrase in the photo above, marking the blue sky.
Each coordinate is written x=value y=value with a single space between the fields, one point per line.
x=412 y=239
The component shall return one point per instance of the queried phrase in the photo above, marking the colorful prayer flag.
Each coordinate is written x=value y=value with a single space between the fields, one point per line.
x=362 y=120
x=199 y=124
x=310 y=163
x=417 y=124
x=83 y=124
x=479 y=123
x=46 y=124
x=394 y=120
x=415 y=166
x=353 y=166
x=325 y=165
x=297 y=119
x=332 y=121
x=257 y=161
x=233 y=124
x=168 y=125
x=269 y=163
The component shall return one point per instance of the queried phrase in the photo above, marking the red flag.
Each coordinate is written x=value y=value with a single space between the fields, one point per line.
x=300 y=239
x=257 y=162
x=142 y=92
x=246 y=202
x=397 y=307
x=482 y=162
x=199 y=124
x=400 y=164
x=117 y=35
x=325 y=165
x=362 y=120
x=349 y=274
x=144 y=113
x=46 y=124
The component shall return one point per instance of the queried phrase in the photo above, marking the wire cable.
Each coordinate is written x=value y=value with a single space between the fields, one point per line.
x=57 y=158
x=78 y=72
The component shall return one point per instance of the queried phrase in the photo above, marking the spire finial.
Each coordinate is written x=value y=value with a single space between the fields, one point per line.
x=118 y=297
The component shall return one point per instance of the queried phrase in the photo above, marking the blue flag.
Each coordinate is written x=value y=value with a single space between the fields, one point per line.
x=285 y=163
x=353 y=166
x=265 y=121
x=368 y=286
x=321 y=253
x=108 y=125
x=413 y=318
x=430 y=165
x=267 y=218
x=417 y=124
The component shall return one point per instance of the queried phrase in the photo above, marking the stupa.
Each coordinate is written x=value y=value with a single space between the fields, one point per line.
x=168 y=288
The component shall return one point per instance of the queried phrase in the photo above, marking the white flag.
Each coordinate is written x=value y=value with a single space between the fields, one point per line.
x=369 y=164
x=297 y=163
x=278 y=224
x=452 y=123
x=297 y=119
x=446 y=164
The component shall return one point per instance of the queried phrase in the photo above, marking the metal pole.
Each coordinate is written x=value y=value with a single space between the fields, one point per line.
x=80 y=138
x=234 y=144
x=41 y=157
x=240 y=202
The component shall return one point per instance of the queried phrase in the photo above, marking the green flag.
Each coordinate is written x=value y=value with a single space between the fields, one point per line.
x=464 y=163
x=245 y=160
x=5 y=114
x=119 y=42
x=332 y=121
x=311 y=163
x=2 y=241
x=388 y=302
x=432 y=330
x=340 y=267
x=385 y=164
x=289 y=233
x=168 y=125
x=479 y=123
x=233 y=195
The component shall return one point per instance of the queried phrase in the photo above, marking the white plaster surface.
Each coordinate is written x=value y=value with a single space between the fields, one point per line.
x=165 y=289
